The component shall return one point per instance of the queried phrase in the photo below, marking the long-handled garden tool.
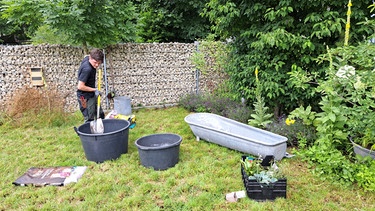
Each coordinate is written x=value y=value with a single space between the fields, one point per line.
x=97 y=125
x=105 y=79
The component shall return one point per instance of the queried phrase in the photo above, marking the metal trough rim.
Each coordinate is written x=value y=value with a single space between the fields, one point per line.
x=284 y=139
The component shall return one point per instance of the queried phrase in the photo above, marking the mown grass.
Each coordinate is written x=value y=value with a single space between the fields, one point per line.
x=200 y=180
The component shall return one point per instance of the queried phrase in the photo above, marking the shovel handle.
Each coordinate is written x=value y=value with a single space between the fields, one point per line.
x=99 y=85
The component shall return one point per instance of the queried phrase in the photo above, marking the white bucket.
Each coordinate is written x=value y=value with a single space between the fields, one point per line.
x=122 y=105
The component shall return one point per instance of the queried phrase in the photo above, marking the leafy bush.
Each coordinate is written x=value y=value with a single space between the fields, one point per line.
x=329 y=163
x=346 y=109
x=366 y=176
x=222 y=106
x=294 y=131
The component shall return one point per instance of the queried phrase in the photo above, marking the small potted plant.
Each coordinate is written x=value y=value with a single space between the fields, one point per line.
x=353 y=88
x=262 y=178
x=350 y=90
x=364 y=144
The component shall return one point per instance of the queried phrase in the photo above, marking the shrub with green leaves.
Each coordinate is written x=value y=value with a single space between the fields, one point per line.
x=294 y=130
x=278 y=36
x=329 y=163
x=346 y=109
x=349 y=93
x=365 y=176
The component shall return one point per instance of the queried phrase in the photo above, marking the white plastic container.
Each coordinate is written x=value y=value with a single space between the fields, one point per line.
x=122 y=105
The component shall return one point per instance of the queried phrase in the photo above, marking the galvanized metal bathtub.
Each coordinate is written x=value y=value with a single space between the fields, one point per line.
x=236 y=135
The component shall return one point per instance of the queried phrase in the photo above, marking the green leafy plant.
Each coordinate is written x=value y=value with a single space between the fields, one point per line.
x=251 y=165
x=366 y=175
x=266 y=175
x=350 y=93
x=306 y=115
x=345 y=110
x=294 y=130
x=260 y=118
x=275 y=36
x=368 y=139
x=74 y=20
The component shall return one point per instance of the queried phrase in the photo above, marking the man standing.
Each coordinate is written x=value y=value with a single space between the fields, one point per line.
x=86 y=92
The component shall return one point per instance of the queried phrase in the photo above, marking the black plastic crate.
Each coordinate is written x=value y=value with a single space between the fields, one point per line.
x=256 y=191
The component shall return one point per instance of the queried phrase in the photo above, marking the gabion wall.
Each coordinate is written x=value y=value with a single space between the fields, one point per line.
x=150 y=74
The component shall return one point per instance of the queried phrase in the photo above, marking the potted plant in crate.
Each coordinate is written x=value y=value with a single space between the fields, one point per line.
x=262 y=178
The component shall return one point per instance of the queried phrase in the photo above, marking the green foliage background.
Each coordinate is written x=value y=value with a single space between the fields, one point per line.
x=172 y=21
x=83 y=23
x=283 y=39
x=278 y=37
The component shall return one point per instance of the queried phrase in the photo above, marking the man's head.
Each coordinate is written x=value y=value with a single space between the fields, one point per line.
x=96 y=57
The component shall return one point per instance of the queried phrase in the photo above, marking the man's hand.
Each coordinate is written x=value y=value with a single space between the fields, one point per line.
x=97 y=93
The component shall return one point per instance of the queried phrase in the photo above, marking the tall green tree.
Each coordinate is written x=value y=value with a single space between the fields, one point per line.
x=172 y=21
x=19 y=19
x=279 y=37
x=85 y=22
x=95 y=23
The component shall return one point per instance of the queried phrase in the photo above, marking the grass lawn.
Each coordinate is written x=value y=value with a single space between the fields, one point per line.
x=199 y=181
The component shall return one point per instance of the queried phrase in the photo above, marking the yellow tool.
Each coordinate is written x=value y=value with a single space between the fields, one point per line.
x=97 y=125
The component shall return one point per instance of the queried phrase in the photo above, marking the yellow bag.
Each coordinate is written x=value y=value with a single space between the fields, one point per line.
x=130 y=118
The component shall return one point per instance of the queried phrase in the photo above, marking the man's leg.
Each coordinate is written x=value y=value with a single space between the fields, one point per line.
x=101 y=113
x=83 y=107
x=91 y=109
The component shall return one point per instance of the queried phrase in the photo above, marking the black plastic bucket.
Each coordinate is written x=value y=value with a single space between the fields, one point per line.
x=107 y=146
x=159 y=151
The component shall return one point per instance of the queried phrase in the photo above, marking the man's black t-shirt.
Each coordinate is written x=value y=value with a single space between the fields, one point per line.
x=87 y=74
